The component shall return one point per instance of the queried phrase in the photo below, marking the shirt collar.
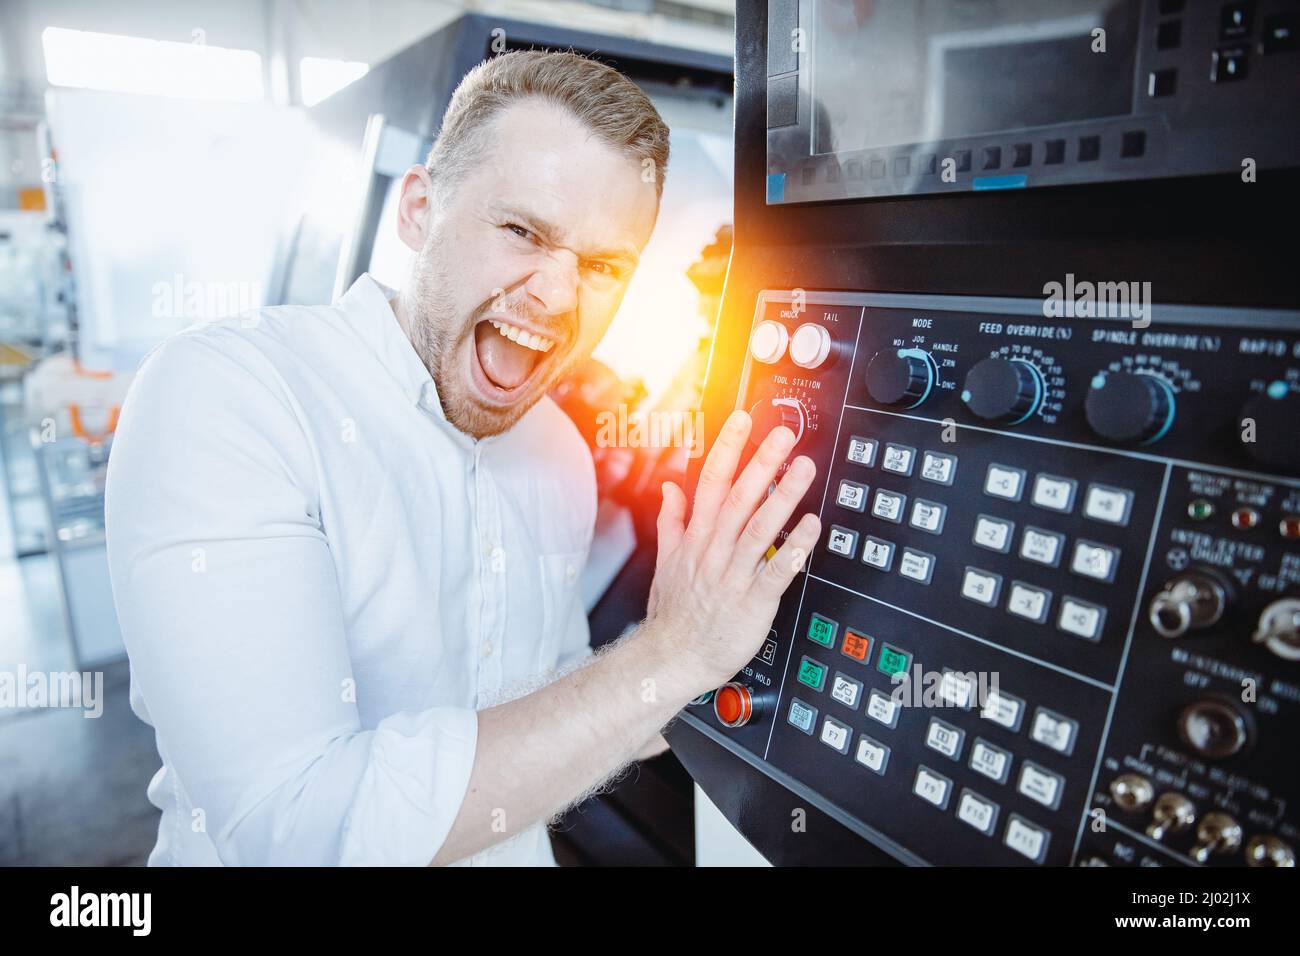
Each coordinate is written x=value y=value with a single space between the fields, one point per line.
x=368 y=306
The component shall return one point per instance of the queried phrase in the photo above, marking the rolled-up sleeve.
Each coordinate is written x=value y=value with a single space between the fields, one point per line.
x=229 y=605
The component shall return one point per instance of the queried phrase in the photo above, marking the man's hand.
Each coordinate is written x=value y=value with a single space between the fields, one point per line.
x=714 y=594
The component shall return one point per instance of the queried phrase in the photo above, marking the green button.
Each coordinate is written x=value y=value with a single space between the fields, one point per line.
x=812 y=674
x=892 y=660
x=822 y=630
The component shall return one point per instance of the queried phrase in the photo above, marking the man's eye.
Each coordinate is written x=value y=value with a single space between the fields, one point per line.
x=602 y=268
x=519 y=231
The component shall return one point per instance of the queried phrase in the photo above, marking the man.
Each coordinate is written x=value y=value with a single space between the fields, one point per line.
x=345 y=541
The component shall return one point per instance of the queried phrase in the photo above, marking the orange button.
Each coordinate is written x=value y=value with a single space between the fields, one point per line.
x=856 y=646
x=733 y=705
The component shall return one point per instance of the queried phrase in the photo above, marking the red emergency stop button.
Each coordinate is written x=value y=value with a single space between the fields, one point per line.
x=733 y=704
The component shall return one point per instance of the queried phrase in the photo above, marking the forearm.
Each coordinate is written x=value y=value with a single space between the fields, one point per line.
x=538 y=754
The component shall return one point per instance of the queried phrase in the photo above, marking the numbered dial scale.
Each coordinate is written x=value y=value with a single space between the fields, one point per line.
x=1050 y=549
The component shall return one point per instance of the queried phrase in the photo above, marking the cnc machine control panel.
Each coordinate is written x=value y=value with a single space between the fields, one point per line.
x=1054 y=615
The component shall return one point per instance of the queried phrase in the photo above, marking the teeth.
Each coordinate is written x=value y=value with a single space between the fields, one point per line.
x=527 y=339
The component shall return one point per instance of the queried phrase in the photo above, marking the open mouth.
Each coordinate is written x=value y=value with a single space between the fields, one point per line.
x=507 y=358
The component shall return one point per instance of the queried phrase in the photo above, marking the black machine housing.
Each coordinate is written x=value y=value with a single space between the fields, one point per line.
x=1088 y=544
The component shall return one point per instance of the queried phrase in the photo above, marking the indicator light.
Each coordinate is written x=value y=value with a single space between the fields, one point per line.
x=1243 y=519
x=1289 y=526
x=1200 y=509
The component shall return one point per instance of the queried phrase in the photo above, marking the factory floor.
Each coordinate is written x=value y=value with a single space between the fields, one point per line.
x=72 y=789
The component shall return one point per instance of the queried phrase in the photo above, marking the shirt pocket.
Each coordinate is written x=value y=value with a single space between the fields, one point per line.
x=560 y=573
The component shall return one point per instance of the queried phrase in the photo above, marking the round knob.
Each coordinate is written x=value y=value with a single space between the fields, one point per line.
x=1129 y=407
x=1213 y=728
x=733 y=705
x=901 y=377
x=1003 y=390
x=767 y=342
x=1267 y=429
x=810 y=346
x=771 y=412
x=1269 y=851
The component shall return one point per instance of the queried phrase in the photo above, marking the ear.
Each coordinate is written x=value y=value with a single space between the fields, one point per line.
x=415 y=207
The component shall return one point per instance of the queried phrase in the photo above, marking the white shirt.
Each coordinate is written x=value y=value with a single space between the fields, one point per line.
x=320 y=581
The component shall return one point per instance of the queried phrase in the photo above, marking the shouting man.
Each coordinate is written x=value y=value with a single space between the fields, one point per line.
x=345 y=542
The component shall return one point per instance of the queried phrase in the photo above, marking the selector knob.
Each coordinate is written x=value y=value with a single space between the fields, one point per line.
x=1003 y=390
x=1276 y=439
x=1129 y=407
x=771 y=412
x=1213 y=728
x=810 y=346
x=768 y=341
x=903 y=377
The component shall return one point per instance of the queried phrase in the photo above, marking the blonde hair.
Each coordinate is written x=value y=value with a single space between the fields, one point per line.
x=600 y=97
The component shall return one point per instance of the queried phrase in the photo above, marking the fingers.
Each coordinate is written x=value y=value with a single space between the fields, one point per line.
x=715 y=476
x=791 y=557
x=766 y=523
x=671 y=522
x=748 y=491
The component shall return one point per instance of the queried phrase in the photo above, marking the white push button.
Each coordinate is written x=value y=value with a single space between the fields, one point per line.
x=835 y=735
x=944 y=738
x=862 y=451
x=932 y=788
x=1028 y=602
x=842 y=541
x=938 y=468
x=1004 y=482
x=978 y=812
x=879 y=554
x=883 y=708
x=851 y=495
x=1026 y=839
x=981 y=586
x=898 y=459
x=916 y=565
x=1054 y=731
x=1111 y=505
x=957 y=689
x=993 y=533
x=846 y=690
x=992 y=762
x=1095 y=561
x=888 y=506
x=872 y=754
x=928 y=516
x=1041 y=786
x=1042 y=547
x=810 y=345
x=1003 y=709
x=1054 y=494
x=1081 y=619
x=767 y=342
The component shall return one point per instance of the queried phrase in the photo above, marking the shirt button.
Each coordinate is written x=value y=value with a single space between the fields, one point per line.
x=487 y=648
x=498 y=560
x=570 y=571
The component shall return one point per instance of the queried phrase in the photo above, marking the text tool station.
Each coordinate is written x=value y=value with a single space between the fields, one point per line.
x=1028 y=322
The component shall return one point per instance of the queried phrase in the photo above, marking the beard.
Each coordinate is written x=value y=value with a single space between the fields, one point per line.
x=441 y=333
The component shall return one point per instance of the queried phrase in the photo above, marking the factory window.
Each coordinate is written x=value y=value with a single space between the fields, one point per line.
x=321 y=77
x=126 y=64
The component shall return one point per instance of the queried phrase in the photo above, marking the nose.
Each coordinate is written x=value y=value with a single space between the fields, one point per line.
x=554 y=286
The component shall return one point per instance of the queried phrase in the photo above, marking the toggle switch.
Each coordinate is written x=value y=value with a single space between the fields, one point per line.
x=1218 y=834
x=1173 y=813
x=1132 y=791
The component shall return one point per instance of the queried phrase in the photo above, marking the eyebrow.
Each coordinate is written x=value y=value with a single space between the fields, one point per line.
x=550 y=233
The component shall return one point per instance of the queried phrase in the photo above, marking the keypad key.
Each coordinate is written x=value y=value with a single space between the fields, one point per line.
x=982 y=587
x=1081 y=618
x=945 y=738
x=1054 y=731
x=872 y=754
x=898 y=459
x=1107 y=504
x=851 y=495
x=1042 y=547
x=1028 y=602
x=1003 y=481
x=836 y=735
x=842 y=541
x=916 y=565
x=928 y=516
x=802 y=716
x=976 y=811
x=1053 y=494
x=938 y=468
x=862 y=451
x=990 y=761
x=1027 y=839
x=1040 y=785
x=993 y=534
x=1096 y=561
x=888 y=506
x=878 y=554
x=846 y=690
x=932 y=787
